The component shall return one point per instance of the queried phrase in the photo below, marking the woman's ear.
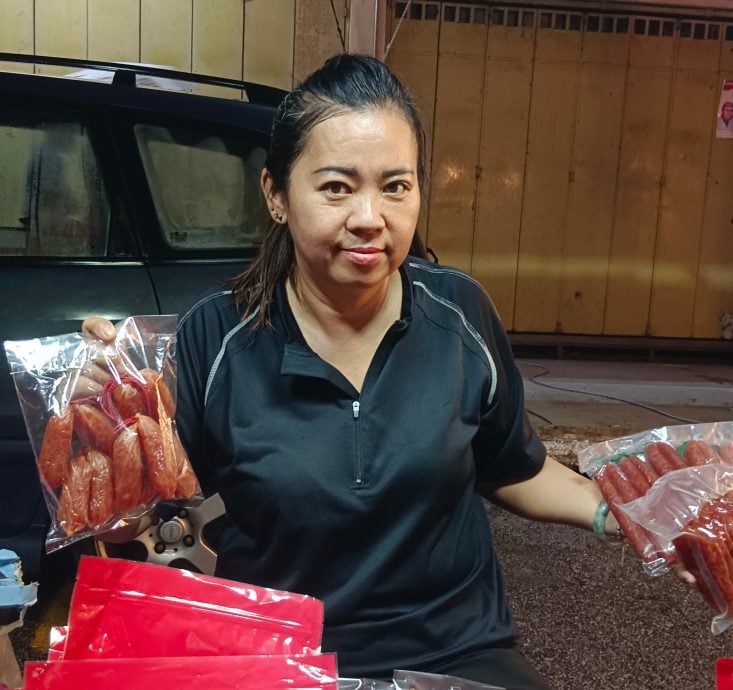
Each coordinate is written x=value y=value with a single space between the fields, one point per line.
x=275 y=200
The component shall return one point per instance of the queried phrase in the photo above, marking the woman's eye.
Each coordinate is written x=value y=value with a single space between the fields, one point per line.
x=395 y=188
x=336 y=188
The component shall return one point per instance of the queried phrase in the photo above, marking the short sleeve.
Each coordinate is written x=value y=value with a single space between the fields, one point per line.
x=506 y=448
x=198 y=342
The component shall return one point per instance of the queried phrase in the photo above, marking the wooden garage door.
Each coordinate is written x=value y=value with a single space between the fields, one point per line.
x=575 y=169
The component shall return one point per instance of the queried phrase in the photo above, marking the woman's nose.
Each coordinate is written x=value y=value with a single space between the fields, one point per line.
x=365 y=213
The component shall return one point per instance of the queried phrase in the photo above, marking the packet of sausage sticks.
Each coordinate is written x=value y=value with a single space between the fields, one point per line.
x=712 y=440
x=627 y=468
x=100 y=418
x=690 y=513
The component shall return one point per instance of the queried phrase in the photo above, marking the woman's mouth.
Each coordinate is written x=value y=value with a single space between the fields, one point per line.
x=363 y=256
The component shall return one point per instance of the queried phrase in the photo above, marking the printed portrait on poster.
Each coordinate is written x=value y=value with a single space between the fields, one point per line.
x=724 y=126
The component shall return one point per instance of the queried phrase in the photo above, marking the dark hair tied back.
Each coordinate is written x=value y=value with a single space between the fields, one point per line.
x=345 y=83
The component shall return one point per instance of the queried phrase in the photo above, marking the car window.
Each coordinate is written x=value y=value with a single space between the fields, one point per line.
x=52 y=199
x=205 y=188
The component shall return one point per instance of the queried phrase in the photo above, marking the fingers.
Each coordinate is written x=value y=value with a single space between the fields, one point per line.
x=82 y=382
x=127 y=532
x=75 y=384
x=612 y=528
x=98 y=327
x=96 y=371
x=683 y=574
x=84 y=388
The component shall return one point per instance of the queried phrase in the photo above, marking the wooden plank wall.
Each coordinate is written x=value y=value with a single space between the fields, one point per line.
x=257 y=40
x=574 y=167
x=419 y=65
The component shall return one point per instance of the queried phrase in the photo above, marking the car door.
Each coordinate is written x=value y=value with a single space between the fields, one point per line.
x=197 y=199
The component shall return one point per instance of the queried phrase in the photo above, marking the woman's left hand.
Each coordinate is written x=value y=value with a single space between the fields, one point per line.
x=613 y=529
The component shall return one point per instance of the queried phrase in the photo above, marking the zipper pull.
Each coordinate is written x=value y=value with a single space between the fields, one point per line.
x=355 y=408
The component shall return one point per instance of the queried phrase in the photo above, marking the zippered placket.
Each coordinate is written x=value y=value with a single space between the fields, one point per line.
x=358 y=476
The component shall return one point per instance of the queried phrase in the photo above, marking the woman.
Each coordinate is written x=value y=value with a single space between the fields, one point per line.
x=351 y=403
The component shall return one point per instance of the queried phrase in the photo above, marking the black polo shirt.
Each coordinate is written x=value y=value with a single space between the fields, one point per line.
x=365 y=500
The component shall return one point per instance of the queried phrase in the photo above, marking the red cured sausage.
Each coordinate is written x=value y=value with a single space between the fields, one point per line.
x=187 y=485
x=158 y=393
x=95 y=429
x=73 y=512
x=717 y=515
x=166 y=438
x=635 y=477
x=127 y=471
x=724 y=505
x=688 y=546
x=708 y=549
x=699 y=453
x=726 y=453
x=101 y=489
x=624 y=489
x=128 y=400
x=663 y=457
x=646 y=469
x=55 y=453
x=158 y=456
x=657 y=460
x=609 y=481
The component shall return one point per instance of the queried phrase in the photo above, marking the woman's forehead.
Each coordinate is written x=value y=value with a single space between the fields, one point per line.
x=353 y=129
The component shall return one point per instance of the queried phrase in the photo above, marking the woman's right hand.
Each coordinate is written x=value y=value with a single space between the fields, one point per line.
x=94 y=374
x=98 y=327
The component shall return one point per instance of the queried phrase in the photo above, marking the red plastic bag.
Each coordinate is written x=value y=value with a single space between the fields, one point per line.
x=101 y=421
x=724 y=674
x=123 y=609
x=200 y=673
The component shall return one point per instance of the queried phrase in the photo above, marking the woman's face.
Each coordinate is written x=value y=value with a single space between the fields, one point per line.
x=353 y=199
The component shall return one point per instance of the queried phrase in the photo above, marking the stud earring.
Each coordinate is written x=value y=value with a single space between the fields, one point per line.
x=278 y=218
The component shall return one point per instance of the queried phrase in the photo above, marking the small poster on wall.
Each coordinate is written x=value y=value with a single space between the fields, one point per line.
x=724 y=127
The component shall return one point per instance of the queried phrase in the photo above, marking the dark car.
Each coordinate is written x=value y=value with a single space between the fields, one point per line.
x=116 y=199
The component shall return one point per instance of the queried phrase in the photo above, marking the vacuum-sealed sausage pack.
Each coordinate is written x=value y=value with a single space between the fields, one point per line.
x=671 y=490
x=101 y=421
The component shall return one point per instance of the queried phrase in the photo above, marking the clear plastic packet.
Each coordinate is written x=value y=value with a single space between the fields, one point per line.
x=690 y=513
x=124 y=609
x=106 y=453
x=312 y=672
x=718 y=435
x=616 y=485
x=627 y=468
x=56 y=642
x=363 y=684
x=413 y=680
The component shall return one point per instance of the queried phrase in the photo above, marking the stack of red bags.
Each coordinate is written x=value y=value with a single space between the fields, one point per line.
x=135 y=625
